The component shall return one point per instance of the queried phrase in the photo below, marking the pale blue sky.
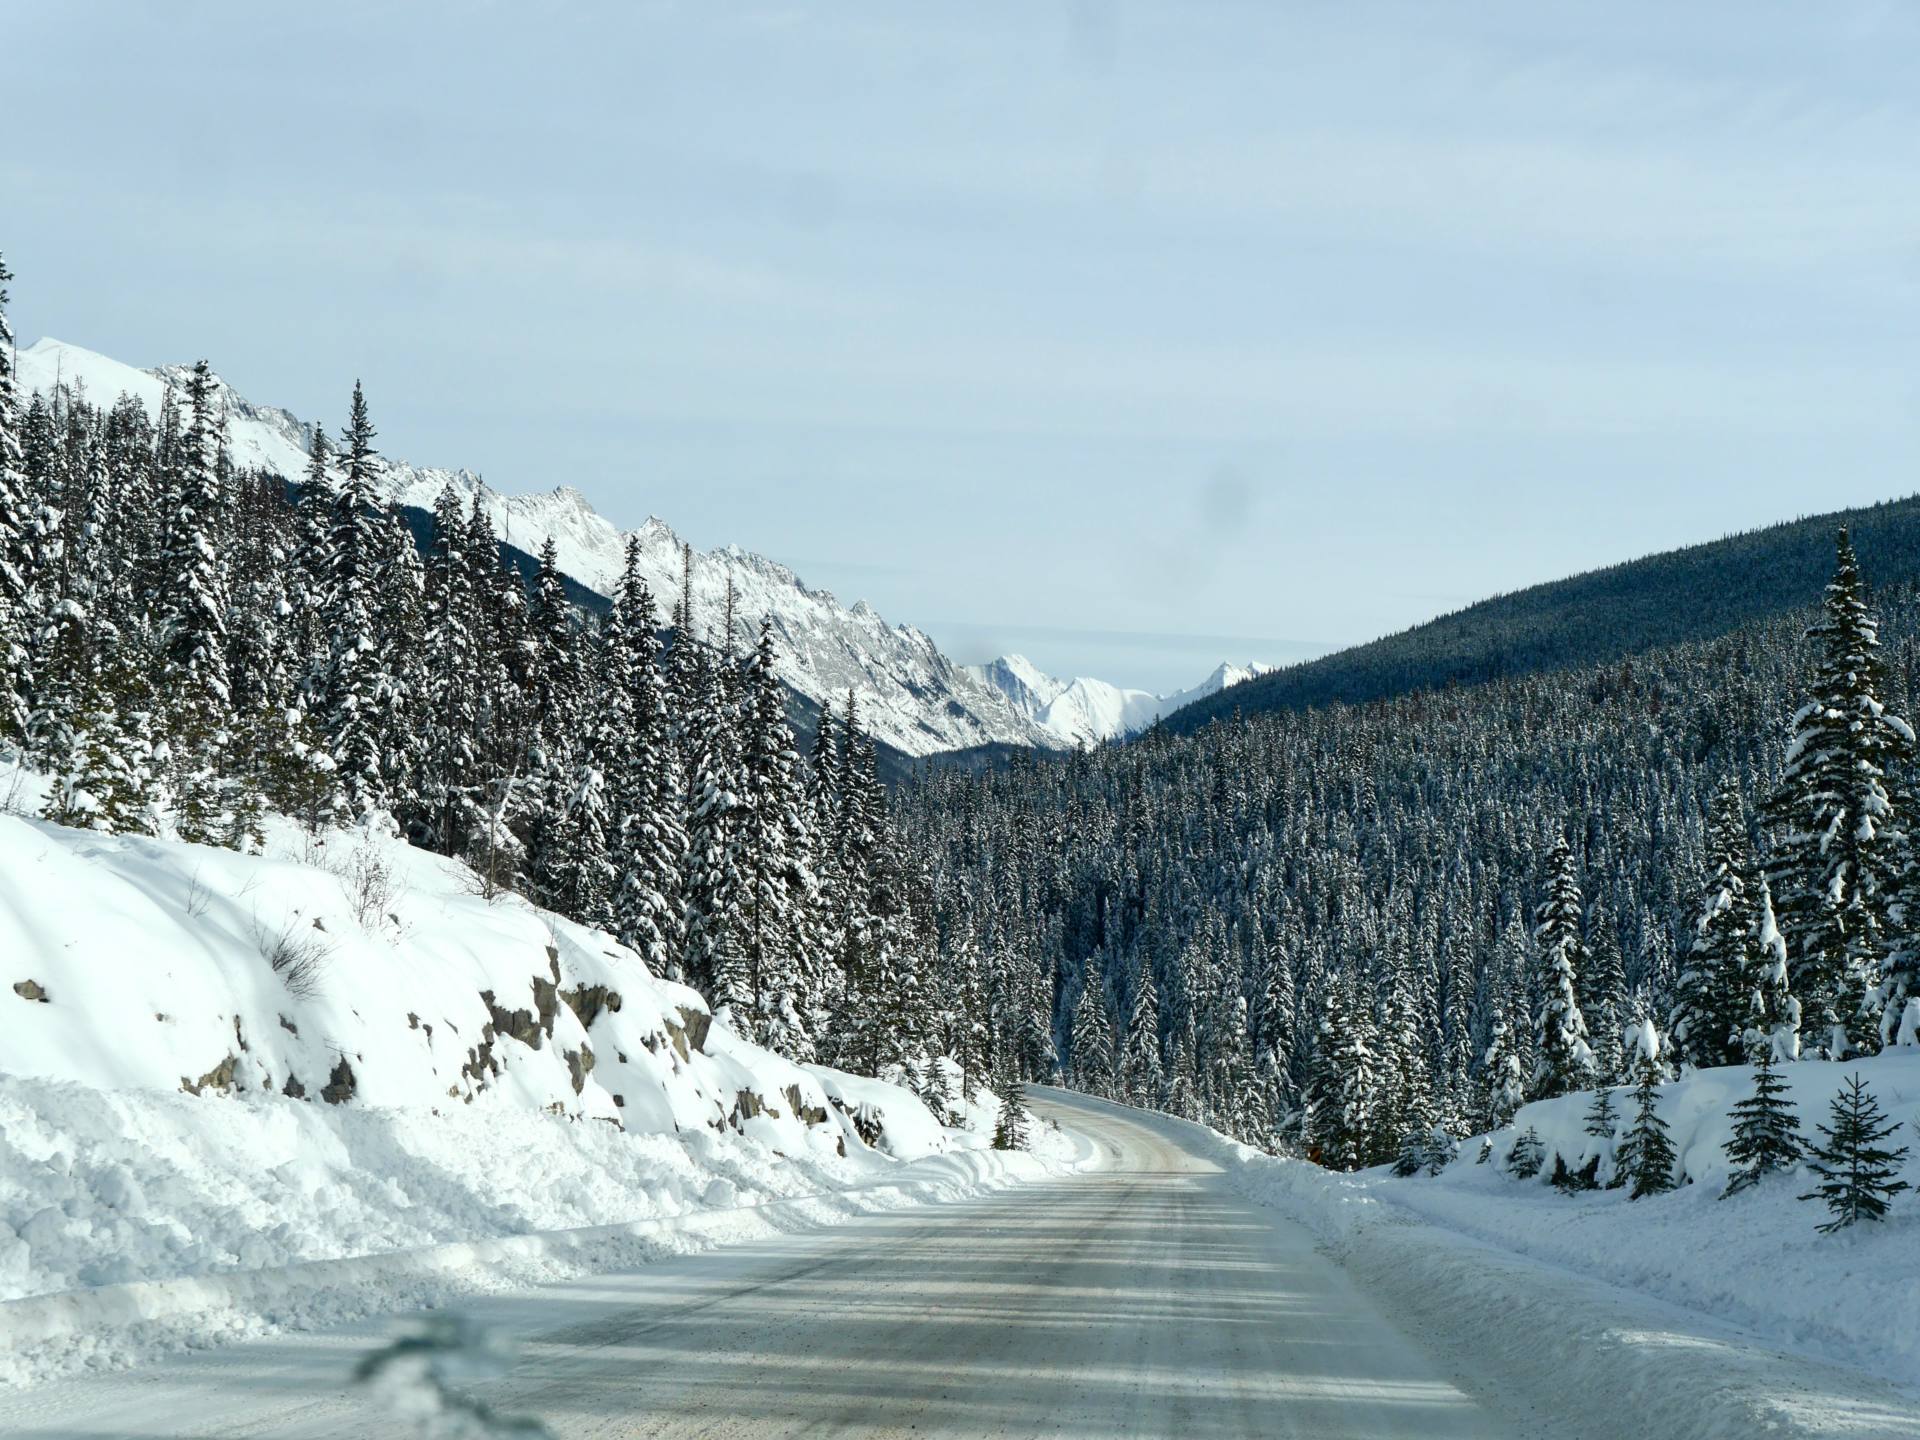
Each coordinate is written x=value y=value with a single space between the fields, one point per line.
x=1131 y=336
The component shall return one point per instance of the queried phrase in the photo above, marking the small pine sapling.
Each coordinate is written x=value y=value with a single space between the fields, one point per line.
x=1856 y=1172
x=1766 y=1130
x=1527 y=1155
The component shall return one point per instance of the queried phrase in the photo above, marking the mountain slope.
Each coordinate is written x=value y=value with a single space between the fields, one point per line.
x=1085 y=711
x=1606 y=615
x=911 y=697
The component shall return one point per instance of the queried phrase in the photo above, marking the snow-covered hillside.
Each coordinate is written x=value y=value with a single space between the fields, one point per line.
x=1085 y=711
x=910 y=695
x=1753 y=1259
x=218 y=1065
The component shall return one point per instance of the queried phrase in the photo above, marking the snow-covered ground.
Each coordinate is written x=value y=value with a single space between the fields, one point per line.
x=1710 y=1317
x=197 y=1145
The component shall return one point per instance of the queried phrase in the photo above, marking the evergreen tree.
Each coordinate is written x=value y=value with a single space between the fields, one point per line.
x=1766 y=1131
x=1602 y=1121
x=1856 y=1171
x=1770 y=1026
x=1012 y=1130
x=1342 y=1090
x=1142 y=1076
x=1647 y=1155
x=1834 y=861
x=1091 y=1046
x=193 y=623
x=1708 y=1021
x=354 y=679
x=15 y=551
x=1563 y=1060
x=779 y=898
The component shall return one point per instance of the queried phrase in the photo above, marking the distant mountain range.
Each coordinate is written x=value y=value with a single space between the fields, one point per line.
x=1607 y=615
x=911 y=697
x=1084 y=711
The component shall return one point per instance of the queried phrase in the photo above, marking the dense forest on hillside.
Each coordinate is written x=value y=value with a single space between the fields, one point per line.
x=188 y=648
x=1345 y=928
x=1593 y=619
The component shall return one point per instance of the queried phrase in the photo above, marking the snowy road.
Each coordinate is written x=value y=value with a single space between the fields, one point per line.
x=1141 y=1298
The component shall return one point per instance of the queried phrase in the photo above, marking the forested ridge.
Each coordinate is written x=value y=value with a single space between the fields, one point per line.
x=1353 y=929
x=1605 y=615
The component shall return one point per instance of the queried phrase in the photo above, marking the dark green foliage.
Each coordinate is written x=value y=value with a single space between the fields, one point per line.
x=1766 y=1130
x=1857 y=1173
x=1647 y=1154
x=1527 y=1155
x=1593 y=621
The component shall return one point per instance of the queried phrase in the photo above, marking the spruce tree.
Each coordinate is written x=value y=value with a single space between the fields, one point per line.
x=1770 y=1024
x=1857 y=1173
x=1343 y=1087
x=1563 y=1060
x=1012 y=1131
x=1766 y=1131
x=1707 y=1022
x=1834 y=860
x=193 y=623
x=1647 y=1154
x=1091 y=1047
x=354 y=681
x=1142 y=1076
x=15 y=564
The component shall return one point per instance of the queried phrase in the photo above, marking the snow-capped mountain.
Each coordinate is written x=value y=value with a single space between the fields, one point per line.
x=909 y=694
x=1086 y=711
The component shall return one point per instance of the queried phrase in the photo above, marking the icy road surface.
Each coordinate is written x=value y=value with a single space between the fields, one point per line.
x=1141 y=1298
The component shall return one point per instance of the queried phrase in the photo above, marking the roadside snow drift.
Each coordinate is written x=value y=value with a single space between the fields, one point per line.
x=216 y=1066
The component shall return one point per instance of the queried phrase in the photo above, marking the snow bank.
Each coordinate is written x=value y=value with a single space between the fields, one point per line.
x=433 y=1093
x=1588 y=1333
x=1752 y=1259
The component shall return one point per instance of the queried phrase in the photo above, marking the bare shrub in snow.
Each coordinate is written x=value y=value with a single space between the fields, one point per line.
x=296 y=952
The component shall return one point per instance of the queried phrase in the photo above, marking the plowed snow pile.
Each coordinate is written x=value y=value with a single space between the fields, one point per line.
x=217 y=1066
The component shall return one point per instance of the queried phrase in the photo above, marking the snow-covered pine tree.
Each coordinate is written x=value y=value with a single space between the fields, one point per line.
x=712 y=886
x=1343 y=1084
x=1706 y=1025
x=1012 y=1130
x=1093 y=1039
x=1602 y=1122
x=1834 y=859
x=550 y=706
x=15 y=678
x=355 y=683
x=1142 y=1075
x=193 y=622
x=1502 y=1076
x=1563 y=1061
x=1857 y=1172
x=1766 y=1131
x=1647 y=1154
x=1770 y=1026
x=452 y=816
x=643 y=768
x=778 y=898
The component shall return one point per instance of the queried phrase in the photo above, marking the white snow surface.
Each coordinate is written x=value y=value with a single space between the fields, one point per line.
x=588 y=1115
x=1674 y=1314
x=909 y=694
x=1085 y=711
